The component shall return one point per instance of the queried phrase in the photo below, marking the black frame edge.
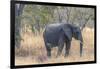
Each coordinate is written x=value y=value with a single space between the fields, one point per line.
x=12 y=31
x=55 y=4
x=55 y=64
x=95 y=34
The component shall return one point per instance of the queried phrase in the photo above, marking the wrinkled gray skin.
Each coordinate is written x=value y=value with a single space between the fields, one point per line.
x=55 y=35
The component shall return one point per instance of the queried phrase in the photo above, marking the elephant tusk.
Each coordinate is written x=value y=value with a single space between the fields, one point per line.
x=81 y=42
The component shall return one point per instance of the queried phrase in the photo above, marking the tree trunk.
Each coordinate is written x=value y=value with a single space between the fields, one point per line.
x=18 y=13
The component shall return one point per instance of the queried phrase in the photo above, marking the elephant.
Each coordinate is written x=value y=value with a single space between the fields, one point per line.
x=56 y=34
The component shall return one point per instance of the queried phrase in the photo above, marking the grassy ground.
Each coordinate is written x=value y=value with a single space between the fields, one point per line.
x=32 y=50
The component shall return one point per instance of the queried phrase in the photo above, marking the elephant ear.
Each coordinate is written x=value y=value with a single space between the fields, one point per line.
x=68 y=33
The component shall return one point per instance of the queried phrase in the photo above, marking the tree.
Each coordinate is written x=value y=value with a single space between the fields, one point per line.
x=18 y=13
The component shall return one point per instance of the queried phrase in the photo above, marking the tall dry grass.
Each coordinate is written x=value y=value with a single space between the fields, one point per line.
x=32 y=50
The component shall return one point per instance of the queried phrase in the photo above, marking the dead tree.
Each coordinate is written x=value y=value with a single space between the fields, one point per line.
x=86 y=21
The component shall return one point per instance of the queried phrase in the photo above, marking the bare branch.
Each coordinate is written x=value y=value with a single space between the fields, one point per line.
x=86 y=21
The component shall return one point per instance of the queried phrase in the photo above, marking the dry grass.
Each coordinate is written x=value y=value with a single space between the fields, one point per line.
x=32 y=50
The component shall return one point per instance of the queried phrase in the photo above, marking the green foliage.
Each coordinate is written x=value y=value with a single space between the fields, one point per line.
x=37 y=16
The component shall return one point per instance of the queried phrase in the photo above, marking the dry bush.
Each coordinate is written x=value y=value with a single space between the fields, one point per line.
x=32 y=50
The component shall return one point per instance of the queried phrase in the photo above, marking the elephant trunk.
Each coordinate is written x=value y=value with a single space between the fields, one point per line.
x=81 y=46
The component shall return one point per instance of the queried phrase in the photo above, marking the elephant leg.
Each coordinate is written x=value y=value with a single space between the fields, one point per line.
x=49 y=53
x=48 y=48
x=67 y=48
x=60 y=47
